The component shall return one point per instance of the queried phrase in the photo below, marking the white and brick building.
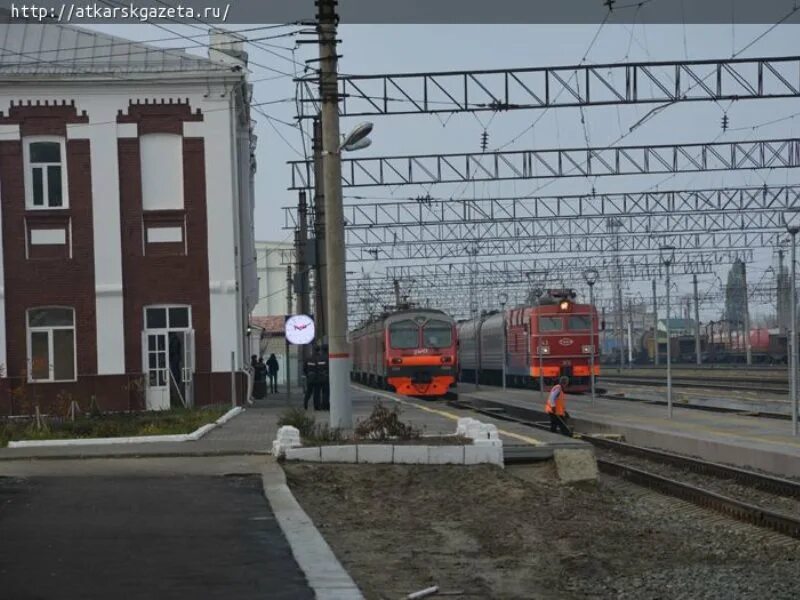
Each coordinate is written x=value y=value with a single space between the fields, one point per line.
x=126 y=219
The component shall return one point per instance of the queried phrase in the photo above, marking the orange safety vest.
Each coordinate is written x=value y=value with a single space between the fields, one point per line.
x=560 y=402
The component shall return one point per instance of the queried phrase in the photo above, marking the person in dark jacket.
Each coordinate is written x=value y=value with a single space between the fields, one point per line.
x=312 y=368
x=272 y=372
x=325 y=379
x=259 y=378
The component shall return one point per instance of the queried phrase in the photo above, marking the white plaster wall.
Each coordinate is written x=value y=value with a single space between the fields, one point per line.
x=162 y=171
x=103 y=154
x=222 y=270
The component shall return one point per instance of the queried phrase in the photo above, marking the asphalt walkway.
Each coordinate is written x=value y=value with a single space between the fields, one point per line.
x=141 y=537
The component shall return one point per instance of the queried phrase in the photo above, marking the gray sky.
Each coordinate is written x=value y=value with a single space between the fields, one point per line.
x=411 y=48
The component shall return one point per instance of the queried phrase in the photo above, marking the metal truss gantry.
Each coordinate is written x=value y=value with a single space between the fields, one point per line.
x=635 y=266
x=453 y=286
x=542 y=164
x=426 y=211
x=576 y=86
x=591 y=245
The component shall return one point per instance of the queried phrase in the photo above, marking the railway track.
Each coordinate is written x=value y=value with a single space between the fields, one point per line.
x=706 y=382
x=762 y=500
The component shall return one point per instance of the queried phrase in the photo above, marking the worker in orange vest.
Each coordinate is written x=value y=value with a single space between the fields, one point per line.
x=556 y=408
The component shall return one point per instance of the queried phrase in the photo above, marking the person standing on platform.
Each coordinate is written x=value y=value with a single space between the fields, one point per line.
x=259 y=378
x=324 y=376
x=272 y=371
x=313 y=385
x=556 y=408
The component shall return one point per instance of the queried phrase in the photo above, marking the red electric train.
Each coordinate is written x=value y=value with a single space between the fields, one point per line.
x=544 y=342
x=412 y=352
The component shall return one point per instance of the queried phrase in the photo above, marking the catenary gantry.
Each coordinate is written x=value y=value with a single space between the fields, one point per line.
x=465 y=167
x=452 y=248
x=426 y=211
x=564 y=86
x=635 y=266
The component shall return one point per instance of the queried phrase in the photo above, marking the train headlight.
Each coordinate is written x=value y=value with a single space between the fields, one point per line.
x=564 y=305
x=587 y=349
x=544 y=349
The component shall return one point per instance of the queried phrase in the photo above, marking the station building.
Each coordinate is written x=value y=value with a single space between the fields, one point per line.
x=127 y=257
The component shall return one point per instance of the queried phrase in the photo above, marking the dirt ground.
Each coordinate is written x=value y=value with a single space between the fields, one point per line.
x=482 y=532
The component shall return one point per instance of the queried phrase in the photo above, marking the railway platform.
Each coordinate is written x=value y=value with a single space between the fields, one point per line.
x=520 y=442
x=736 y=439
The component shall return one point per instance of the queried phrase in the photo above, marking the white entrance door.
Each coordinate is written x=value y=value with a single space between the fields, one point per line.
x=154 y=344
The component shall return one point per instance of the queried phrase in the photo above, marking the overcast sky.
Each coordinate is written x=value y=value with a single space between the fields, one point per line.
x=413 y=48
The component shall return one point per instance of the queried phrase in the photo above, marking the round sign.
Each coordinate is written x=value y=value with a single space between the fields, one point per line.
x=300 y=329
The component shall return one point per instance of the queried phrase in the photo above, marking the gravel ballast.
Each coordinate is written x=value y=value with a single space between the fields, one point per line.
x=518 y=533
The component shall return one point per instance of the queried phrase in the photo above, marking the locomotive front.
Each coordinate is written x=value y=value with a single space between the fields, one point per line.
x=562 y=341
x=420 y=353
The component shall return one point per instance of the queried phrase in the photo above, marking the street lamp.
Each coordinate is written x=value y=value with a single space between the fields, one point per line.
x=503 y=299
x=590 y=277
x=668 y=257
x=792 y=221
x=357 y=138
x=341 y=403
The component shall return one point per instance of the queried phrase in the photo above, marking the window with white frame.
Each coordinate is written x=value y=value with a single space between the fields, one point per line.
x=51 y=344
x=45 y=173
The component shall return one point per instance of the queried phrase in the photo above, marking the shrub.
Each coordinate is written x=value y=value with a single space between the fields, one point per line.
x=300 y=419
x=384 y=424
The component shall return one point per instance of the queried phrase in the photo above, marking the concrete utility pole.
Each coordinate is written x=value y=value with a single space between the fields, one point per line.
x=793 y=231
x=288 y=312
x=630 y=333
x=301 y=238
x=668 y=257
x=338 y=348
x=698 y=358
x=655 y=325
x=321 y=278
x=747 y=346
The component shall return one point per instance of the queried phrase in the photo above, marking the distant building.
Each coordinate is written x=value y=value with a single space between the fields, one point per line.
x=126 y=201
x=677 y=326
x=272 y=259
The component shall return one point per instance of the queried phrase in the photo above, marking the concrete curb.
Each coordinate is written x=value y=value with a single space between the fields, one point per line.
x=143 y=439
x=399 y=454
x=325 y=574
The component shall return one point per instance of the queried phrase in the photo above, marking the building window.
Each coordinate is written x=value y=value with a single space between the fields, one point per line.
x=167 y=317
x=45 y=173
x=51 y=344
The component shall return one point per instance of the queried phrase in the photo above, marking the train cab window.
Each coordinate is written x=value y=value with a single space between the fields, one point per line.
x=550 y=324
x=579 y=322
x=404 y=335
x=437 y=334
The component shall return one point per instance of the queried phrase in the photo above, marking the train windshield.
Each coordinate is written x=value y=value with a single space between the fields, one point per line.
x=579 y=322
x=550 y=324
x=404 y=335
x=437 y=334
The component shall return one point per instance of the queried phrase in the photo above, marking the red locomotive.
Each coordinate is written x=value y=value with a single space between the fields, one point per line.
x=546 y=341
x=412 y=352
